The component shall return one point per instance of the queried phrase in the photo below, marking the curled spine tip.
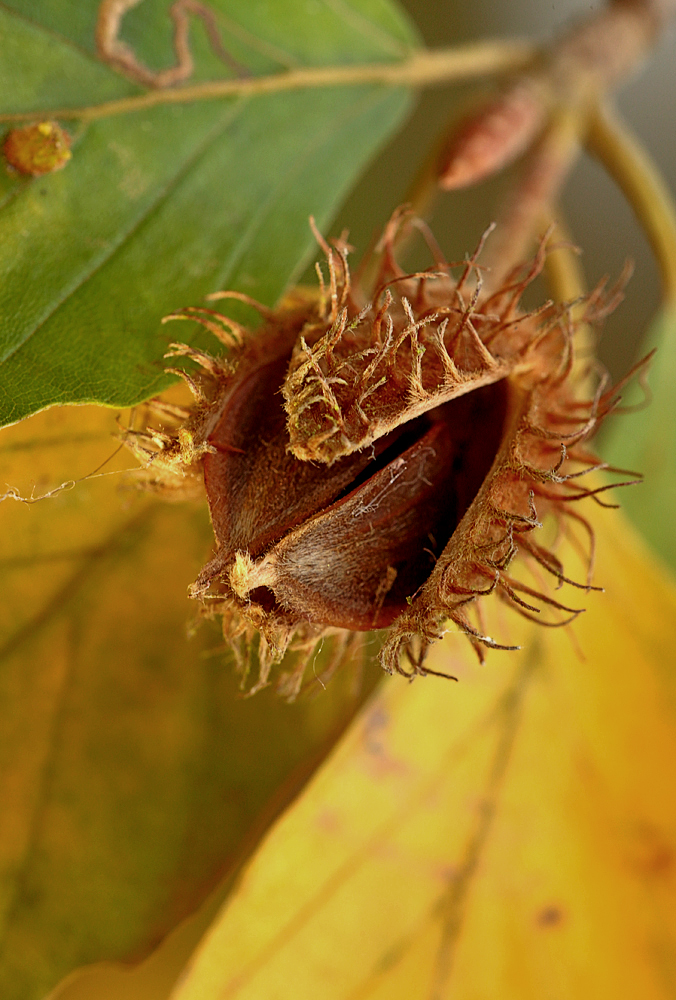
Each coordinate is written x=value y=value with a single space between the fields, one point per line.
x=264 y=311
x=228 y=331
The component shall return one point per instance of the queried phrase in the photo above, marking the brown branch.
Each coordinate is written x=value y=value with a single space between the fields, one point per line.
x=558 y=100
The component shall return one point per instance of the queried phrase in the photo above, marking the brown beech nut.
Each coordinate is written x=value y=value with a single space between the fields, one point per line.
x=377 y=461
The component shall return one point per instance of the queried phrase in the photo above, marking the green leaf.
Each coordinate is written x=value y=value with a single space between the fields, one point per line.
x=159 y=207
x=646 y=442
x=132 y=777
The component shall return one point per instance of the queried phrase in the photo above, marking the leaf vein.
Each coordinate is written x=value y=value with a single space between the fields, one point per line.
x=115 y=543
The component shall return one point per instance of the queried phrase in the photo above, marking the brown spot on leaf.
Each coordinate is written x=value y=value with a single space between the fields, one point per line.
x=37 y=149
x=549 y=916
x=651 y=856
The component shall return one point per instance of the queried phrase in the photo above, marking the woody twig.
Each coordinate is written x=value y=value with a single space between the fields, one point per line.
x=547 y=111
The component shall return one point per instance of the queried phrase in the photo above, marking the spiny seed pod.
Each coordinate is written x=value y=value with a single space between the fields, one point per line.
x=378 y=462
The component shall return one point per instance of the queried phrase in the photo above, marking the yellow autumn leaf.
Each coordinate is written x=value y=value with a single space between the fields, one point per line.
x=133 y=777
x=509 y=836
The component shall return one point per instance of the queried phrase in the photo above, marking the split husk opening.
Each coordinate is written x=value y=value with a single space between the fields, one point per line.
x=377 y=461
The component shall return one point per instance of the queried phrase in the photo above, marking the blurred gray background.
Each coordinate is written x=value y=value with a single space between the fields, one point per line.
x=601 y=222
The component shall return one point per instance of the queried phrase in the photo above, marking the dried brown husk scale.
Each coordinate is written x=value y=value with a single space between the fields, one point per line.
x=425 y=434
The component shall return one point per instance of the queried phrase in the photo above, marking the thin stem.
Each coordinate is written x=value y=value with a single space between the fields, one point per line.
x=422 y=69
x=629 y=164
x=567 y=283
x=536 y=188
x=565 y=276
x=566 y=87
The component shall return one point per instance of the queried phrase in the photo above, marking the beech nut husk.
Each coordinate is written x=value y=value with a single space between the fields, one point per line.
x=377 y=461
